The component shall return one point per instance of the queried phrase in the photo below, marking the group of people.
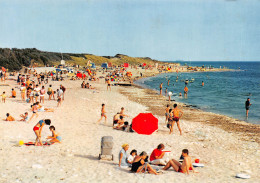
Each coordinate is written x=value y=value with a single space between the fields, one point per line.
x=55 y=137
x=142 y=163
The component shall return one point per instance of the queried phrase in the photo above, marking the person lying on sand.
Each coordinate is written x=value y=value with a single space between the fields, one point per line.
x=9 y=117
x=140 y=166
x=38 y=130
x=43 y=109
x=55 y=136
x=120 y=123
x=125 y=127
x=184 y=167
x=25 y=117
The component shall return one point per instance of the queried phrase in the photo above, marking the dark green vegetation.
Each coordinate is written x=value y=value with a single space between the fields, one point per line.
x=15 y=59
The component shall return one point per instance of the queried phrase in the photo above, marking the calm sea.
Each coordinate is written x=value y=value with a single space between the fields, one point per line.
x=223 y=92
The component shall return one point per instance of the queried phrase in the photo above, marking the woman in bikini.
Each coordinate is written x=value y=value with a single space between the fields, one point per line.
x=38 y=130
x=139 y=164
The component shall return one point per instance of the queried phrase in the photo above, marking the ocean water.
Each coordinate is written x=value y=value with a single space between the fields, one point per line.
x=223 y=93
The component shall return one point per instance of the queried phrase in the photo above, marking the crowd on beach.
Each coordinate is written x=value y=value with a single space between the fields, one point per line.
x=31 y=86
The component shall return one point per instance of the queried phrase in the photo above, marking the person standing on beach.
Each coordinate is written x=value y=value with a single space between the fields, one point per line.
x=161 y=88
x=63 y=91
x=166 y=91
x=103 y=114
x=247 y=105
x=108 y=84
x=177 y=116
x=167 y=112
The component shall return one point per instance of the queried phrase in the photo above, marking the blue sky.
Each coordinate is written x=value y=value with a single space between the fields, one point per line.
x=201 y=30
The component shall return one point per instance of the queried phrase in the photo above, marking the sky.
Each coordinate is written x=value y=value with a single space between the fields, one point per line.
x=190 y=30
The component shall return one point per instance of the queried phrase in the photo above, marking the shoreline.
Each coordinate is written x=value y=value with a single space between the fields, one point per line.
x=249 y=131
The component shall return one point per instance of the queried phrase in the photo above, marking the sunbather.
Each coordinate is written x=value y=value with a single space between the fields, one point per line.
x=184 y=167
x=139 y=164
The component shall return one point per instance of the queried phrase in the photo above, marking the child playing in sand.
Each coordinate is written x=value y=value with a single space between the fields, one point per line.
x=120 y=123
x=3 y=97
x=13 y=93
x=55 y=136
x=9 y=117
x=25 y=117
x=184 y=167
x=103 y=114
x=38 y=130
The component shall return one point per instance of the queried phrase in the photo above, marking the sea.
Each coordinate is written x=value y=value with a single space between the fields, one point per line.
x=223 y=92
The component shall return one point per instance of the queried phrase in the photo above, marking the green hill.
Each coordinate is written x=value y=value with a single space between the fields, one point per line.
x=15 y=59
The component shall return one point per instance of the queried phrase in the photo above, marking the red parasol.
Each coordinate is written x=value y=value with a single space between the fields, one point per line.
x=145 y=123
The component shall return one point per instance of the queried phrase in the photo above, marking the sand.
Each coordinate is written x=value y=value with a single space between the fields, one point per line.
x=224 y=153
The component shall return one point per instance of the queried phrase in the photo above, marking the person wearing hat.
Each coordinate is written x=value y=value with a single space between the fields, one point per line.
x=123 y=156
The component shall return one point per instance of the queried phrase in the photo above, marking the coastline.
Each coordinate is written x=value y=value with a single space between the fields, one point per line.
x=249 y=131
x=157 y=103
x=76 y=158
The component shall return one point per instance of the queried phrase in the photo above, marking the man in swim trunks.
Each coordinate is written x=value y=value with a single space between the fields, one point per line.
x=247 y=105
x=177 y=116
x=184 y=167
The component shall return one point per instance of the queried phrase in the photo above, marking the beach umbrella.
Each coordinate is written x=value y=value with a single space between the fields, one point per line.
x=58 y=70
x=145 y=123
x=3 y=69
x=126 y=65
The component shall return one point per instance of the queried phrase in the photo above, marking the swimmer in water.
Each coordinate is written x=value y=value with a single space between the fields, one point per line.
x=202 y=83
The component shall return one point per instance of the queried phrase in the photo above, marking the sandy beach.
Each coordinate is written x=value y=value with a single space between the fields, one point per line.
x=224 y=150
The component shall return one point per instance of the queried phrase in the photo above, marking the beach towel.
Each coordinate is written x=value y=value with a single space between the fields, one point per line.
x=32 y=144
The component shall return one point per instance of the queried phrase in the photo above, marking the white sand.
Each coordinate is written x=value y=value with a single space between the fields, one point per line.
x=76 y=158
